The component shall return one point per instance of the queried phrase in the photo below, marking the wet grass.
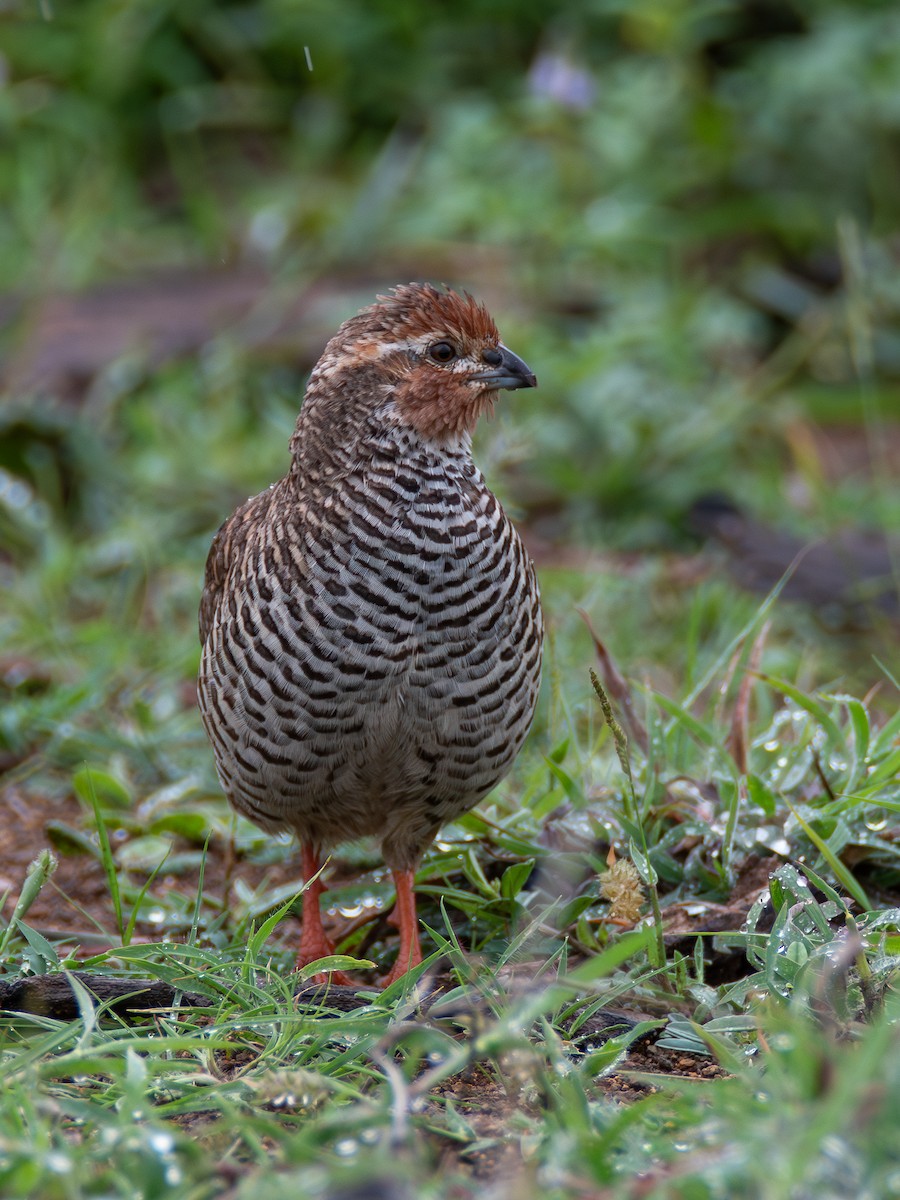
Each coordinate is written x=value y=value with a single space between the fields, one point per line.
x=735 y=756
x=685 y=222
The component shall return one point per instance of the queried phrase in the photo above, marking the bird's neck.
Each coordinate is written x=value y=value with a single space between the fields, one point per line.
x=340 y=431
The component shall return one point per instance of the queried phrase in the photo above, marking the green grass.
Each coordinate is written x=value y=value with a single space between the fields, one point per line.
x=700 y=265
x=256 y=1096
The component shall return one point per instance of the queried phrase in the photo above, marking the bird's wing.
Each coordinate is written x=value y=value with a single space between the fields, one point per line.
x=226 y=549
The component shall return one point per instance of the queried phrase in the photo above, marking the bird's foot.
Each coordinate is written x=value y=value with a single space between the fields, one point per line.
x=405 y=919
x=334 y=978
x=396 y=972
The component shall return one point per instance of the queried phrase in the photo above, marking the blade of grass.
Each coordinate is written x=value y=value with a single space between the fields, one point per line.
x=106 y=854
x=658 y=951
x=808 y=704
x=842 y=873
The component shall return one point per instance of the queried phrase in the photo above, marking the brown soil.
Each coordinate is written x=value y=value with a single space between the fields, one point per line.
x=76 y=901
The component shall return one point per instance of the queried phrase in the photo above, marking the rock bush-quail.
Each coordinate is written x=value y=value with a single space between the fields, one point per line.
x=371 y=623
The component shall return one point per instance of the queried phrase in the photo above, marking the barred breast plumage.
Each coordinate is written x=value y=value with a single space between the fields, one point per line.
x=371 y=624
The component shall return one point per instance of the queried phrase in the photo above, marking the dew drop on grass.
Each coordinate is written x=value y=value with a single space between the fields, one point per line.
x=155 y=916
x=355 y=910
x=782 y=1041
x=59 y=1164
x=346 y=1147
x=369 y=1137
x=876 y=826
x=15 y=494
x=160 y=1141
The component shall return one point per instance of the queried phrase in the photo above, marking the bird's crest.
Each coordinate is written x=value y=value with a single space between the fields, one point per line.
x=414 y=309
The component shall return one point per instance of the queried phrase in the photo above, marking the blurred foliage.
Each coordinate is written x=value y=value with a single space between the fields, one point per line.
x=688 y=211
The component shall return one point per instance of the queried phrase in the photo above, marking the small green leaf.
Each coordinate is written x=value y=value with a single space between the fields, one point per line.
x=92 y=785
x=642 y=861
x=760 y=795
x=43 y=956
x=569 y=786
x=514 y=878
x=334 y=962
x=143 y=853
x=68 y=840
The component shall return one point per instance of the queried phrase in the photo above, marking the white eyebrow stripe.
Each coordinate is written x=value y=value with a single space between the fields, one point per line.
x=418 y=344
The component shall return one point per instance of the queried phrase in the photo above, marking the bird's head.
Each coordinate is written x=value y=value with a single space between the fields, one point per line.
x=422 y=358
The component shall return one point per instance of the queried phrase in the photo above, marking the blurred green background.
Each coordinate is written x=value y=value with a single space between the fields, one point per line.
x=683 y=215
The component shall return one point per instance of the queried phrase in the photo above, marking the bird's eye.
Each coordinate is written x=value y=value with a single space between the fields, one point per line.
x=442 y=352
x=492 y=357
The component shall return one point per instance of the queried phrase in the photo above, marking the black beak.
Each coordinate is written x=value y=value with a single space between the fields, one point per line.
x=511 y=372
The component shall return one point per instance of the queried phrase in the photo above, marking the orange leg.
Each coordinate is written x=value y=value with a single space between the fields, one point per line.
x=408 y=923
x=313 y=941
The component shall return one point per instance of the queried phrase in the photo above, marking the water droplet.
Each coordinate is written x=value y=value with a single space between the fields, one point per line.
x=782 y=1042
x=366 y=901
x=161 y=1141
x=346 y=1147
